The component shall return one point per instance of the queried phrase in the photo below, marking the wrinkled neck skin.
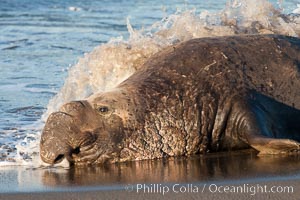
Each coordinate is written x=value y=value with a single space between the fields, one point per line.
x=168 y=122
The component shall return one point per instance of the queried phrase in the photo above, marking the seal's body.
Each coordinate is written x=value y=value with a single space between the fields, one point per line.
x=203 y=95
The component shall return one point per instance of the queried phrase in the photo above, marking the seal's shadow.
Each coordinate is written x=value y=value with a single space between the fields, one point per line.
x=212 y=167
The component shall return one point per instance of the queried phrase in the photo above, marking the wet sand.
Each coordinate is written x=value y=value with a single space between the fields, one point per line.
x=237 y=175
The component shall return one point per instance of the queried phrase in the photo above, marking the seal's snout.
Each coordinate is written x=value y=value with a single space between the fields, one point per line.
x=61 y=133
x=51 y=157
x=53 y=153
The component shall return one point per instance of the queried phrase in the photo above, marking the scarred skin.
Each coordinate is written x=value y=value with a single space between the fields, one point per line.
x=203 y=95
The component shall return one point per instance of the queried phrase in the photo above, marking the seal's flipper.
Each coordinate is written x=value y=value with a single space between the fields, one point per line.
x=268 y=126
x=274 y=146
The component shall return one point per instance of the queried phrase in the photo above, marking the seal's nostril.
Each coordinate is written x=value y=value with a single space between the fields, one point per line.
x=76 y=150
x=59 y=158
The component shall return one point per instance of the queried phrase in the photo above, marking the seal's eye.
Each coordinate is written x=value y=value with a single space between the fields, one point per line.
x=103 y=109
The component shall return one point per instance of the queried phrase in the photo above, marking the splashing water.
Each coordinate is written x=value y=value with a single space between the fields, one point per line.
x=111 y=63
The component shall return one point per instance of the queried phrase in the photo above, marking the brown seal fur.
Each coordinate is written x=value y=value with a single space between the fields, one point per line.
x=203 y=95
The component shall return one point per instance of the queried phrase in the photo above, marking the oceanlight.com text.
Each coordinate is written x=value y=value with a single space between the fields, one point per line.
x=251 y=189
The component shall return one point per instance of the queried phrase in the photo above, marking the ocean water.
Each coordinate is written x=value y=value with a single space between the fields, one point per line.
x=52 y=52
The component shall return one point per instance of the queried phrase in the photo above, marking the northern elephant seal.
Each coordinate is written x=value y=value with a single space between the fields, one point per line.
x=203 y=95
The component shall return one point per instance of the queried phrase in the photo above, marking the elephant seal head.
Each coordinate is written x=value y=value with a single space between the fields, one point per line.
x=88 y=131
